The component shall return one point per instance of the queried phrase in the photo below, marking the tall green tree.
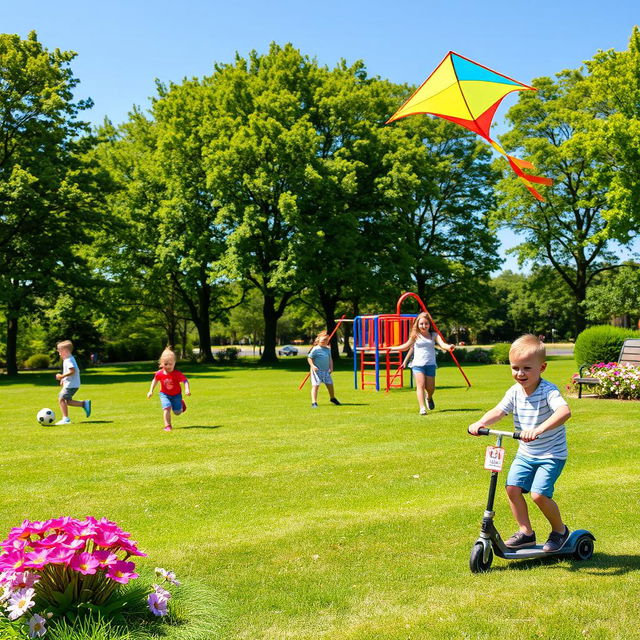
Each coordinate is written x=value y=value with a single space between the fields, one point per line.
x=49 y=189
x=168 y=243
x=614 y=102
x=261 y=154
x=568 y=230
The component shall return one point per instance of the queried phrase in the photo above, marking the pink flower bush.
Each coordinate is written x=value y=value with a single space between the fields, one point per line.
x=89 y=559
x=615 y=380
x=40 y=559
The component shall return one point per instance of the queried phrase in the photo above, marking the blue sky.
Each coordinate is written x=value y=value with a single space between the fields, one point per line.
x=123 y=46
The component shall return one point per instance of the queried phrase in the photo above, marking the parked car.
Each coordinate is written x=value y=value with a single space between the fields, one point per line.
x=288 y=350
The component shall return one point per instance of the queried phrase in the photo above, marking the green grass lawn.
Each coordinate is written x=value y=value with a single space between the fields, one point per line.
x=345 y=523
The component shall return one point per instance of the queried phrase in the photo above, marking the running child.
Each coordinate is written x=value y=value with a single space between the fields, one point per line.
x=70 y=382
x=170 y=391
x=422 y=344
x=321 y=365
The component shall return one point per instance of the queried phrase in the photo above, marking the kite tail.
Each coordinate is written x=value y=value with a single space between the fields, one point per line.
x=518 y=165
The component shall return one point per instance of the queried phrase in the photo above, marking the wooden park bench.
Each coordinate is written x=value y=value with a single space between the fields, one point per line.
x=629 y=354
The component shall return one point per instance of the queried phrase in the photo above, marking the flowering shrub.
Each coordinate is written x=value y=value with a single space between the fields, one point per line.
x=64 y=565
x=615 y=380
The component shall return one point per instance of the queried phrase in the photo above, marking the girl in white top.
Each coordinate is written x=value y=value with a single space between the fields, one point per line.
x=421 y=344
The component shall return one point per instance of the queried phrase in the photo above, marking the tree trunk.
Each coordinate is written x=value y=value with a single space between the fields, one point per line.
x=346 y=347
x=12 y=345
x=204 y=328
x=329 y=308
x=271 y=317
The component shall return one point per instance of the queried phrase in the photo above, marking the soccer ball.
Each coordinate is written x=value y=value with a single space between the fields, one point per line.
x=46 y=416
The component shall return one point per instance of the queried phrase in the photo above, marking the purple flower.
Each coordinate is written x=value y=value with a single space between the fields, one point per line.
x=157 y=605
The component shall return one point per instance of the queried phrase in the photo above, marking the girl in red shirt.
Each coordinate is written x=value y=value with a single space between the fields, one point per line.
x=170 y=392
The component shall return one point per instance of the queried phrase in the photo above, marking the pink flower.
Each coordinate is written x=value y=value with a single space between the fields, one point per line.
x=11 y=561
x=157 y=604
x=37 y=559
x=161 y=593
x=61 y=555
x=122 y=571
x=105 y=557
x=73 y=543
x=52 y=540
x=84 y=563
x=24 y=579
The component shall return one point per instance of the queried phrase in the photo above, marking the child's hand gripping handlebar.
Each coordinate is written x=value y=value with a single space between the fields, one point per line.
x=485 y=431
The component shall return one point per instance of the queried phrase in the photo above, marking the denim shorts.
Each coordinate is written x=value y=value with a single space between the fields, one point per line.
x=67 y=393
x=321 y=375
x=538 y=475
x=175 y=402
x=426 y=369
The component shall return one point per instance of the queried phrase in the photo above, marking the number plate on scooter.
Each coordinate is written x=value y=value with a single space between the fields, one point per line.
x=493 y=458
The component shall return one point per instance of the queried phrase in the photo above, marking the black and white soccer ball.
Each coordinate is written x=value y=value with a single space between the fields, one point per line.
x=46 y=417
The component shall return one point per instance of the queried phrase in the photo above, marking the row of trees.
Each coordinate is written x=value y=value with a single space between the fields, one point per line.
x=276 y=177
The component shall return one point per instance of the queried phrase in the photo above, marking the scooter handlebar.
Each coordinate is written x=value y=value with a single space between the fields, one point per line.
x=485 y=431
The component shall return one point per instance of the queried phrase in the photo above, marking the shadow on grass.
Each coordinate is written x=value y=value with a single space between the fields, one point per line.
x=460 y=409
x=199 y=426
x=599 y=564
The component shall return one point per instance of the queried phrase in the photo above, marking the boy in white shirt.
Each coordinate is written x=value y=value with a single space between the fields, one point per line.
x=539 y=413
x=70 y=382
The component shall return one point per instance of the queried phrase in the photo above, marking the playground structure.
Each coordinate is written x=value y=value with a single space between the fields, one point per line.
x=374 y=337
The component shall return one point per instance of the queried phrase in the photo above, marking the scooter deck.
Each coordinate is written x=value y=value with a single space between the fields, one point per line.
x=535 y=552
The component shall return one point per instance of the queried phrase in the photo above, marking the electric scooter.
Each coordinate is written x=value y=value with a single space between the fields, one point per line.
x=579 y=544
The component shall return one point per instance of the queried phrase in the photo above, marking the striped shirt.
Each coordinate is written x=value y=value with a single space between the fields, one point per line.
x=531 y=411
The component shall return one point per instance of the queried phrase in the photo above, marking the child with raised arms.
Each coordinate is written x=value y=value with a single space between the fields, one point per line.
x=170 y=391
x=421 y=345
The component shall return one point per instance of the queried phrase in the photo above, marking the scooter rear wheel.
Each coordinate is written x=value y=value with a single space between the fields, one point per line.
x=584 y=548
x=476 y=560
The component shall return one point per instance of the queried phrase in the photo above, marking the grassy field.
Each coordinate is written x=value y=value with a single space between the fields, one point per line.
x=344 y=523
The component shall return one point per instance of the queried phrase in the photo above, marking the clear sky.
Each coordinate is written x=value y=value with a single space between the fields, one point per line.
x=123 y=45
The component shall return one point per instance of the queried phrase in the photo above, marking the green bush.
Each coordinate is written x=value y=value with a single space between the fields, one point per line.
x=481 y=356
x=601 y=344
x=499 y=353
x=229 y=355
x=37 y=361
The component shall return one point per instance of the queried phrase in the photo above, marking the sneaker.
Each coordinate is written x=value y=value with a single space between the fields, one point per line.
x=64 y=421
x=168 y=428
x=432 y=404
x=556 y=540
x=314 y=405
x=86 y=405
x=520 y=540
x=423 y=412
x=184 y=406
x=335 y=401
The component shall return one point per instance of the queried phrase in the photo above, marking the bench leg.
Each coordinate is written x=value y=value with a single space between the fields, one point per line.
x=579 y=390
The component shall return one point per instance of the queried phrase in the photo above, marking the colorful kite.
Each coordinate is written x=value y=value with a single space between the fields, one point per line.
x=468 y=94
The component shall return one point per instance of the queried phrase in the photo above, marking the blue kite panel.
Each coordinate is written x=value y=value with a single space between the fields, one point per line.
x=466 y=70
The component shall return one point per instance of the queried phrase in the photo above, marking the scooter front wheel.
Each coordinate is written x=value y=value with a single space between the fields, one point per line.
x=584 y=548
x=477 y=563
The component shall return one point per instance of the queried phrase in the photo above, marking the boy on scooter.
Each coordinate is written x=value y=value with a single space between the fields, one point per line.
x=539 y=413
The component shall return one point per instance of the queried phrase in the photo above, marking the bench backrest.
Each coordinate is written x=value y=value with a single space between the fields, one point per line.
x=630 y=352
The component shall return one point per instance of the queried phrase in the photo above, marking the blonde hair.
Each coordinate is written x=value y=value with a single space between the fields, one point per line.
x=65 y=344
x=529 y=345
x=167 y=354
x=414 y=327
x=321 y=336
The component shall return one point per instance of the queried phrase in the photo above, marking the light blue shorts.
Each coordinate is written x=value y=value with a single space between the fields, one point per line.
x=321 y=375
x=426 y=369
x=175 y=402
x=538 y=476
